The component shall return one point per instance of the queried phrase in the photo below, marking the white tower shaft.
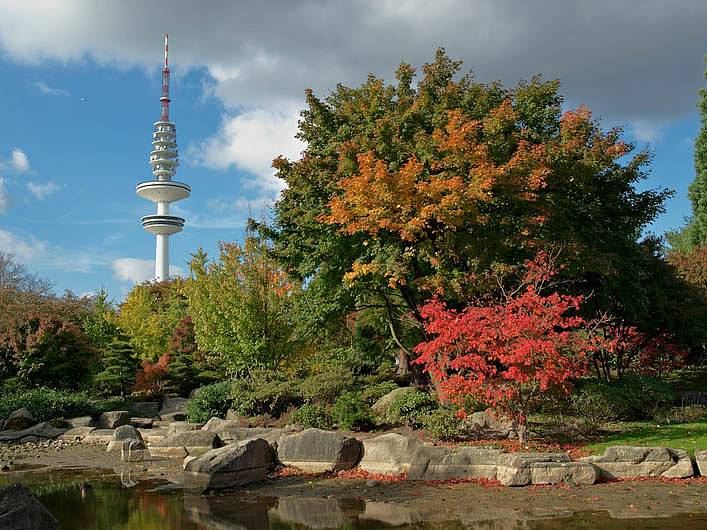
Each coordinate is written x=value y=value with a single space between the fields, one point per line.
x=163 y=190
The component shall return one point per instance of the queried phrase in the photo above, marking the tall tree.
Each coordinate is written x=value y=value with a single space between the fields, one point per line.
x=407 y=191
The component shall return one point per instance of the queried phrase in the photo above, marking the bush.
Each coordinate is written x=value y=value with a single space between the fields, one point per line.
x=373 y=393
x=443 y=424
x=410 y=407
x=351 y=413
x=631 y=398
x=211 y=401
x=310 y=415
x=264 y=392
x=46 y=403
x=685 y=414
x=325 y=387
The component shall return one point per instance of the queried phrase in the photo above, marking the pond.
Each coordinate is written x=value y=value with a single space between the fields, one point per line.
x=107 y=501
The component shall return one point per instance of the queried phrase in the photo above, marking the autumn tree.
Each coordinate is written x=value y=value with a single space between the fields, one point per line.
x=404 y=191
x=509 y=353
x=241 y=307
x=149 y=314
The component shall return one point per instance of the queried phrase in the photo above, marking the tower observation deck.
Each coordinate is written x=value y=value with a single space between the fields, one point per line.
x=163 y=190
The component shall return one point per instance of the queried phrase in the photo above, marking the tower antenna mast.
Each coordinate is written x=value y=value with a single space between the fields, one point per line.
x=164 y=100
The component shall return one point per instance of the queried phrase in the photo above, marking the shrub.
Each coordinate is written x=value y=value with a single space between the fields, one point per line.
x=211 y=401
x=373 y=393
x=684 y=414
x=264 y=392
x=325 y=387
x=409 y=408
x=443 y=424
x=351 y=413
x=46 y=403
x=310 y=415
x=631 y=398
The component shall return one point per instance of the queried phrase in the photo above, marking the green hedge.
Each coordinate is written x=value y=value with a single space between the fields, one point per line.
x=46 y=403
x=211 y=401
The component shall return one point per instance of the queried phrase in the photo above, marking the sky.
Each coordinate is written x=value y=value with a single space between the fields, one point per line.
x=80 y=86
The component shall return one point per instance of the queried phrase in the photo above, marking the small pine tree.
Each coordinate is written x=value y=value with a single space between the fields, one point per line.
x=182 y=375
x=119 y=367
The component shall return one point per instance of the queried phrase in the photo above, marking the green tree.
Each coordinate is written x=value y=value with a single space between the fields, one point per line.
x=241 y=307
x=119 y=367
x=99 y=324
x=404 y=191
x=149 y=314
x=184 y=355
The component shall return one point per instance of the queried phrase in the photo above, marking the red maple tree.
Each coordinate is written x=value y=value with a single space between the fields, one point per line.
x=507 y=354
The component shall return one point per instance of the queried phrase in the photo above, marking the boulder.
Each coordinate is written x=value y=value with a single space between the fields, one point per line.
x=186 y=443
x=487 y=425
x=145 y=409
x=20 y=510
x=309 y=512
x=318 y=451
x=380 y=407
x=173 y=409
x=230 y=431
x=701 y=460
x=82 y=421
x=153 y=435
x=126 y=437
x=76 y=434
x=630 y=462
x=113 y=419
x=231 y=466
x=524 y=469
x=444 y=463
x=389 y=454
x=142 y=423
x=41 y=431
x=19 y=420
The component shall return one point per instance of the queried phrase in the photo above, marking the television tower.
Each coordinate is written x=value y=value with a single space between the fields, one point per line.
x=163 y=190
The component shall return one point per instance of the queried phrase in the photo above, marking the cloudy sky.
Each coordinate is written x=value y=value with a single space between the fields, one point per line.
x=80 y=87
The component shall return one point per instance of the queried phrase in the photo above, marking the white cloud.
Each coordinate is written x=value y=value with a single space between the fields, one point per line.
x=49 y=91
x=42 y=191
x=4 y=197
x=136 y=270
x=250 y=141
x=19 y=160
x=25 y=249
x=647 y=131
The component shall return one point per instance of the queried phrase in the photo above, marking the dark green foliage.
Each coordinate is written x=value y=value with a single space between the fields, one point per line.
x=351 y=413
x=443 y=424
x=631 y=398
x=119 y=368
x=182 y=376
x=46 y=403
x=312 y=415
x=410 y=408
x=264 y=392
x=371 y=394
x=326 y=386
x=212 y=401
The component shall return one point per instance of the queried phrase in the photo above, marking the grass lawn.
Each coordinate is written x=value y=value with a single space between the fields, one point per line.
x=687 y=436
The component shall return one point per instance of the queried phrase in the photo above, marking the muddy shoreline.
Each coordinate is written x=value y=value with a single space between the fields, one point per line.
x=624 y=499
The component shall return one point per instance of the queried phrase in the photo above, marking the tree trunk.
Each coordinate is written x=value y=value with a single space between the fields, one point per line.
x=523 y=431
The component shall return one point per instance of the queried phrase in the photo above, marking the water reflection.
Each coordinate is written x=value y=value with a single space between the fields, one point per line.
x=116 y=501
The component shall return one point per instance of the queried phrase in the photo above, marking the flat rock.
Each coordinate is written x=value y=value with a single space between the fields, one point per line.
x=19 y=420
x=632 y=462
x=524 y=469
x=81 y=421
x=318 y=451
x=230 y=431
x=186 y=443
x=20 y=510
x=99 y=436
x=389 y=454
x=41 y=431
x=230 y=466
x=142 y=423
x=76 y=434
x=182 y=426
x=153 y=435
x=444 y=463
x=701 y=459
x=174 y=417
x=113 y=419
